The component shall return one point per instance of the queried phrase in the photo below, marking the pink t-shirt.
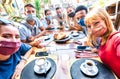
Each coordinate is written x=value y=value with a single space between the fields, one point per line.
x=110 y=53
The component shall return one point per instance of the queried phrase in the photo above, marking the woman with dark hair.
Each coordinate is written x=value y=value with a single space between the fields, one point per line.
x=13 y=53
x=71 y=20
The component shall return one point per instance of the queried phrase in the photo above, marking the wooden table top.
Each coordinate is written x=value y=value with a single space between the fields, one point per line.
x=62 y=54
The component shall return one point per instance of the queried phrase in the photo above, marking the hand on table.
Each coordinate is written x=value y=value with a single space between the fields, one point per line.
x=49 y=26
x=31 y=38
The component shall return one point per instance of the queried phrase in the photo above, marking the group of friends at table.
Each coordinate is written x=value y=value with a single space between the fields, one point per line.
x=16 y=43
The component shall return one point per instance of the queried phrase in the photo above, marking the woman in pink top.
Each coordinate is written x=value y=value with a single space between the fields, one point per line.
x=100 y=26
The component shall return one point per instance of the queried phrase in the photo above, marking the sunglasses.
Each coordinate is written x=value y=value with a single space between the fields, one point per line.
x=5 y=21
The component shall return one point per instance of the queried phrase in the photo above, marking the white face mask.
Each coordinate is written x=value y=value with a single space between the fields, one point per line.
x=49 y=17
x=31 y=17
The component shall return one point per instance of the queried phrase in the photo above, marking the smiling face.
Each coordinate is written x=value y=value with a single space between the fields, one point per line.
x=30 y=10
x=59 y=11
x=69 y=10
x=81 y=14
x=9 y=33
x=97 y=28
x=99 y=24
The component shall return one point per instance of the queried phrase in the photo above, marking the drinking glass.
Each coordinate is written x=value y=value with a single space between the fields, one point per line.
x=51 y=49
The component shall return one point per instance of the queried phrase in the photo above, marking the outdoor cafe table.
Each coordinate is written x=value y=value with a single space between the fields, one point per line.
x=65 y=50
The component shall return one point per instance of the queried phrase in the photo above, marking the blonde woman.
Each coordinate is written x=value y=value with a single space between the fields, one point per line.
x=101 y=27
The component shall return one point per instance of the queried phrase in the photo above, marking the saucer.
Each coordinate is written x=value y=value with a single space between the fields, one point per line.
x=75 y=34
x=64 y=40
x=47 y=37
x=43 y=71
x=92 y=72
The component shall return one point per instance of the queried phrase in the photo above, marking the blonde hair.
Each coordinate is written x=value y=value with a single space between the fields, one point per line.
x=99 y=13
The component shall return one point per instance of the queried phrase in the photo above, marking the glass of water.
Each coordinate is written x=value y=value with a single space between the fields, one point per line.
x=51 y=49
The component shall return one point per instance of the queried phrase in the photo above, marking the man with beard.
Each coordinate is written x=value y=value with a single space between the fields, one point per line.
x=48 y=20
x=60 y=16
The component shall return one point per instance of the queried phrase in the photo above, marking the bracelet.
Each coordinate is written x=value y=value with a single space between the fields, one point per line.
x=23 y=58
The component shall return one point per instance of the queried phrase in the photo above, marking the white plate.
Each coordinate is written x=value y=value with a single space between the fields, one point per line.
x=63 y=40
x=75 y=34
x=38 y=71
x=92 y=72
x=46 y=37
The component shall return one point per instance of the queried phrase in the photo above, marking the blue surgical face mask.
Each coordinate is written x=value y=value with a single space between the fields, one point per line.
x=31 y=17
x=81 y=22
x=49 y=17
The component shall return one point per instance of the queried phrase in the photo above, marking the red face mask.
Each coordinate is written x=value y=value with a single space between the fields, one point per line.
x=9 y=48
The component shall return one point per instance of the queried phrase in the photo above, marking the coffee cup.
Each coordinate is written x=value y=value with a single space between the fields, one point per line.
x=89 y=64
x=41 y=64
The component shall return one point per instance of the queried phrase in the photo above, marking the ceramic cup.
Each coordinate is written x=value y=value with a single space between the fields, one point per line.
x=89 y=64
x=41 y=64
